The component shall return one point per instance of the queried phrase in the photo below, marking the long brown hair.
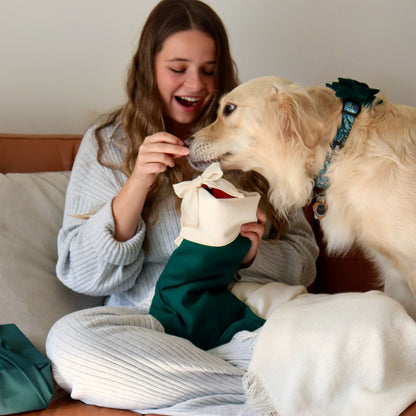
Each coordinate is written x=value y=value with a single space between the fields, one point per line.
x=142 y=114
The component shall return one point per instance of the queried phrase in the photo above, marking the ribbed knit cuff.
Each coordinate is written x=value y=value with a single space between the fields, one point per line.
x=99 y=230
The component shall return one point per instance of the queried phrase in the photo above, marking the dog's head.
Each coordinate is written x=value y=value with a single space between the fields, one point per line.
x=272 y=126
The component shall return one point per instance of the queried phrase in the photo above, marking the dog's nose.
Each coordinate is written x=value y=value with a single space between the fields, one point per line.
x=189 y=141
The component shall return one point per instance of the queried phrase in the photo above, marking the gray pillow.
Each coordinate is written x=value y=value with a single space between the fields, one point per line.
x=31 y=296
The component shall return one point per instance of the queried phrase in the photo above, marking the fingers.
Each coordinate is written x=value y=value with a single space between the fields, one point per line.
x=156 y=154
x=164 y=143
x=161 y=149
x=255 y=227
x=261 y=216
x=254 y=232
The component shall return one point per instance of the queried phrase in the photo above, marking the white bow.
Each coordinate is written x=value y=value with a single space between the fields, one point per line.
x=189 y=190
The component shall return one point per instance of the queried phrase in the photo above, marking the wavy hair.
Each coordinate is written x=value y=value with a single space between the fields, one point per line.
x=142 y=114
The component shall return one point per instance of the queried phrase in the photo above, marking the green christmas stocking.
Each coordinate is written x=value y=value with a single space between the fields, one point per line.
x=192 y=299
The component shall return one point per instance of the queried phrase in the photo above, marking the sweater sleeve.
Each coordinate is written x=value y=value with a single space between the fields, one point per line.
x=290 y=259
x=90 y=260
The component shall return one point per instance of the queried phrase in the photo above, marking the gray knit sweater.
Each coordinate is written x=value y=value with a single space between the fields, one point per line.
x=91 y=261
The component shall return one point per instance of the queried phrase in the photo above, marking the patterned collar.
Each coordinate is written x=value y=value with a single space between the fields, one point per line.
x=354 y=94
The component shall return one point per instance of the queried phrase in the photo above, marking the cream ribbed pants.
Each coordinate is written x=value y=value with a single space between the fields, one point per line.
x=117 y=357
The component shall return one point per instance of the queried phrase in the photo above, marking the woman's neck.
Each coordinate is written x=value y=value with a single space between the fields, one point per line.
x=182 y=131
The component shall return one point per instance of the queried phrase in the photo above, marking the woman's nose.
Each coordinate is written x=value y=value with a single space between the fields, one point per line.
x=194 y=81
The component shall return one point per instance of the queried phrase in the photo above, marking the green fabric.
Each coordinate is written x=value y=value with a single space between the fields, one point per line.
x=192 y=300
x=25 y=377
x=350 y=90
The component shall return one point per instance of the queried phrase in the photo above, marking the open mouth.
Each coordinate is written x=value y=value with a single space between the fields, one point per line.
x=187 y=101
x=203 y=164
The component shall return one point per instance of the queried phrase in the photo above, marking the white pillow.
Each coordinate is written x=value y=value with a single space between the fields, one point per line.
x=31 y=296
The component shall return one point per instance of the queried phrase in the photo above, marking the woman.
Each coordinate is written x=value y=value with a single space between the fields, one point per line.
x=121 y=220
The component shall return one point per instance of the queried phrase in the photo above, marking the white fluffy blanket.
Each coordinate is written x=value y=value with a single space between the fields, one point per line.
x=351 y=354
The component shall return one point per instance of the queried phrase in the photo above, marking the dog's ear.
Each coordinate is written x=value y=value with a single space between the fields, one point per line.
x=295 y=117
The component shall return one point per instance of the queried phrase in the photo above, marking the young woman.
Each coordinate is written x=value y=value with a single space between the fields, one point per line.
x=121 y=220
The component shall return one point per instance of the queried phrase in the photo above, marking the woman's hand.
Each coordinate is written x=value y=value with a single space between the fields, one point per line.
x=156 y=154
x=253 y=231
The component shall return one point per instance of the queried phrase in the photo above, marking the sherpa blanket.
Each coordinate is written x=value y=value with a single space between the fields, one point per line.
x=350 y=354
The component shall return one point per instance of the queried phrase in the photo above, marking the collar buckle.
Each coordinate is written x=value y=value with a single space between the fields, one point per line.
x=350 y=111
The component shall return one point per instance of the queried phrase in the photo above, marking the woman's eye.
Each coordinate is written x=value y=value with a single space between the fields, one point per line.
x=177 y=71
x=228 y=109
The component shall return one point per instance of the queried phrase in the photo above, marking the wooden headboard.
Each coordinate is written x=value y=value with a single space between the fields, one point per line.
x=37 y=153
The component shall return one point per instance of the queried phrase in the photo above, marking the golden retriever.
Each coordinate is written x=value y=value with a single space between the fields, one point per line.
x=284 y=131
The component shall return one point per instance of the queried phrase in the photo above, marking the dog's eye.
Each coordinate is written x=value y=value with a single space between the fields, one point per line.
x=228 y=109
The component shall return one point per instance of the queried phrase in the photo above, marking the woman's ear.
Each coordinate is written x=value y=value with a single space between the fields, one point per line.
x=295 y=117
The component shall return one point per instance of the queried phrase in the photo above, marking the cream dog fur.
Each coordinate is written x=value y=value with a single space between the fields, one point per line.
x=284 y=131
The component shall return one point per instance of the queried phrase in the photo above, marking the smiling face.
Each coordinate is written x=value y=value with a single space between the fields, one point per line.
x=185 y=75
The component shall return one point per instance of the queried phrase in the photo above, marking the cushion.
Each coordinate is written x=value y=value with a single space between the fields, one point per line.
x=26 y=380
x=31 y=296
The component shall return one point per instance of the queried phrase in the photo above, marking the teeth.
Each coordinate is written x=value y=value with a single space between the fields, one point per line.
x=190 y=99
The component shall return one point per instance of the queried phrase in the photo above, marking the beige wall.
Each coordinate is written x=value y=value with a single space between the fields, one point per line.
x=62 y=62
